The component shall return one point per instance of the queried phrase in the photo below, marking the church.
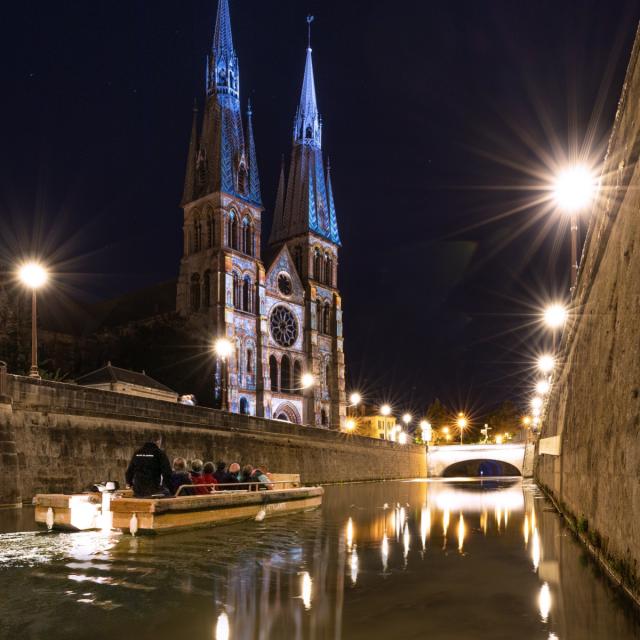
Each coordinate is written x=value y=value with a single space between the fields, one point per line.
x=279 y=304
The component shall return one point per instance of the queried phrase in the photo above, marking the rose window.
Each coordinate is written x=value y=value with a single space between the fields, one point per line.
x=284 y=327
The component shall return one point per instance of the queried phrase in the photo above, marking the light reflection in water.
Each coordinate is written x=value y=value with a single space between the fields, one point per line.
x=445 y=522
x=223 y=632
x=353 y=565
x=306 y=590
x=525 y=530
x=484 y=516
x=535 y=549
x=544 y=602
x=406 y=539
x=385 y=552
x=425 y=525
x=461 y=532
x=349 y=534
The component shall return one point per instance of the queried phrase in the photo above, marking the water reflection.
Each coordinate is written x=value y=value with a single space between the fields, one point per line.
x=347 y=571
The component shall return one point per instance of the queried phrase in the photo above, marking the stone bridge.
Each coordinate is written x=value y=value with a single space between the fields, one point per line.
x=476 y=460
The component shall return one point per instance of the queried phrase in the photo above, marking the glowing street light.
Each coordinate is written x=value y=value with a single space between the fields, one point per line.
x=462 y=423
x=406 y=418
x=546 y=363
x=307 y=381
x=542 y=387
x=573 y=190
x=536 y=402
x=555 y=315
x=526 y=421
x=355 y=399
x=402 y=438
x=427 y=431
x=350 y=425
x=33 y=275
x=385 y=410
x=223 y=349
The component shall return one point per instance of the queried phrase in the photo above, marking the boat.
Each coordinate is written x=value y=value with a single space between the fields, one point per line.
x=121 y=511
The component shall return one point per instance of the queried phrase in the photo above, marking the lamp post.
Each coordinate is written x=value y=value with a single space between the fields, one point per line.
x=224 y=349
x=33 y=276
x=554 y=316
x=573 y=191
x=462 y=423
x=355 y=399
x=546 y=363
x=406 y=418
x=427 y=431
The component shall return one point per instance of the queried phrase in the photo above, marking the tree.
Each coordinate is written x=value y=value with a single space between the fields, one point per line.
x=504 y=419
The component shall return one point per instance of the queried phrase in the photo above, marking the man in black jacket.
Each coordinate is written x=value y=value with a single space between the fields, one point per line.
x=149 y=470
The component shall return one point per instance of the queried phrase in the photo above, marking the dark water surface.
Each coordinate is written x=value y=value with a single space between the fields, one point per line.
x=395 y=560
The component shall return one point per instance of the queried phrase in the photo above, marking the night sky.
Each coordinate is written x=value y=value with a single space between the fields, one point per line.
x=438 y=119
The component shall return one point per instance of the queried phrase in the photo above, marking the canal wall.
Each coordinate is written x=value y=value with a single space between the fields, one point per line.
x=588 y=455
x=65 y=437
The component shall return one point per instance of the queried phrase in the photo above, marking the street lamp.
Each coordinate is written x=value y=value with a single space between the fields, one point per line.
x=427 y=431
x=350 y=424
x=33 y=275
x=307 y=381
x=546 y=363
x=573 y=191
x=542 y=387
x=354 y=400
x=536 y=403
x=462 y=423
x=406 y=418
x=555 y=315
x=223 y=349
x=385 y=410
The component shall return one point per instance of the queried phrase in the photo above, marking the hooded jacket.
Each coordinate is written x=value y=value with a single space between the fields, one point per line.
x=148 y=470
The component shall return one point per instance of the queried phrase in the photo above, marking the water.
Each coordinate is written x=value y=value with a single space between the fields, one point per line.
x=424 y=560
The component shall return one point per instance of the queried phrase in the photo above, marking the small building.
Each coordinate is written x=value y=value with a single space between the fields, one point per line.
x=110 y=378
x=376 y=426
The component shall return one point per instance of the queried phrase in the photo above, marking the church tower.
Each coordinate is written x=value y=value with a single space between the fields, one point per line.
x=221 y=278
x=304 y=221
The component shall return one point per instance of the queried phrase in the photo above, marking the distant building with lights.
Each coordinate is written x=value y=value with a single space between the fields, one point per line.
x=279 y=305
x=377 y=426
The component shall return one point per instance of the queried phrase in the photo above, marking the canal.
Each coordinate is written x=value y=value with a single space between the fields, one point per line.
x=424 y=559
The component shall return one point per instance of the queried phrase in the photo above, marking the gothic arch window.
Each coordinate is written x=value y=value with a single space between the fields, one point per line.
x=297 y=258
x=317 y=265
x=236 y=291
x=232 y=230
x=319 y=317
x=247 y=237
x=250 y=365
x=210 y=230
x=242 y=178
x=309 y=133
x=326 y=318
x=246 y=294
x=324 y=419
x=195 y=292
x=285 y=374
x=206 y=289
x=297 y=376
x=197 y=234
x=245 y=407
x=273 y=373
x=327 y=376
x=328 y=269
x=189 y=248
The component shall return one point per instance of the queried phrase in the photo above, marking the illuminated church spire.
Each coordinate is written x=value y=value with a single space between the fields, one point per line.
x=223 y=74
x=308 y=205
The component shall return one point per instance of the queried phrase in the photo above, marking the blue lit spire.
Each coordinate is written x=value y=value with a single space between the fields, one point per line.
x=223 y=74
x=254 y=177
x=308 y=206
x=307 y=128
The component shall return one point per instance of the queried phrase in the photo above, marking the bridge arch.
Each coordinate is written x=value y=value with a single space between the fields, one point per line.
x=480 y=467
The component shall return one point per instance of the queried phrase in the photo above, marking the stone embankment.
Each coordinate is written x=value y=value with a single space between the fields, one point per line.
x=61 y=437
x=589 y=452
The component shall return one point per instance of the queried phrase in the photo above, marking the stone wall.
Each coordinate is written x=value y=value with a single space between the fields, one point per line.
x=67 y=437
x=589 y=452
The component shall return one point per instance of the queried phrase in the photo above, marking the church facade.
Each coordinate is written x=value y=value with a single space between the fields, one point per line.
x=278 y=305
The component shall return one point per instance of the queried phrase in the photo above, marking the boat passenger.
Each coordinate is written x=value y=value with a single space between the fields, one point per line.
x=208 y=475
x=149 y=471
x=180 y=477
x=261 y=480
x=220 y=473
x=196 y=478
x=245 y=476
x=234 y=472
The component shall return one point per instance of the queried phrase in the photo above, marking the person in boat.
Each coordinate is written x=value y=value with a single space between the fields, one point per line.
x=198 y=478
x=149 y=471
x=234 y=472
x=208 y=475
x=245 y=476
x=180 y=477
x=261 y=480
x=220 y=474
